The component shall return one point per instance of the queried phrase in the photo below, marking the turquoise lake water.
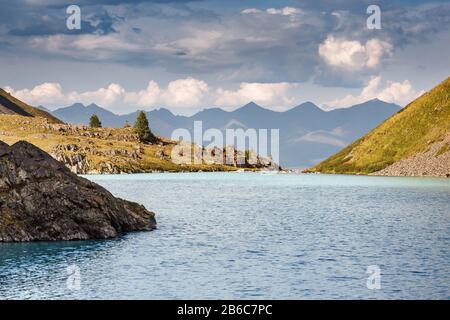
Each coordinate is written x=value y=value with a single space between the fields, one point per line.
x=253 y=236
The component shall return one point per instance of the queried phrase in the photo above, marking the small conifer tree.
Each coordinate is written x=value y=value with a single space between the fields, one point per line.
x=94 y=122
x=142 y=128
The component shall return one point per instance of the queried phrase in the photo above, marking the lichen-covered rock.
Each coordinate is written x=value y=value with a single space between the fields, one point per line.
x=40 y=199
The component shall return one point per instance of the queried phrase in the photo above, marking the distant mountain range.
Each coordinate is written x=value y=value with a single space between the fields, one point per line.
x=413 y=142
x=308 y=134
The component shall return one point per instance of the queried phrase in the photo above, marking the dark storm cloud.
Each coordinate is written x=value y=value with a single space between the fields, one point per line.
x=405 y=26
x=182 y=37
x=360 y=5
x=57 y=25
x=65 y=3
x=33 y=20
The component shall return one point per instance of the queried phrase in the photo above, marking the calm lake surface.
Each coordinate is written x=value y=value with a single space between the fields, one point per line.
x=254 y=236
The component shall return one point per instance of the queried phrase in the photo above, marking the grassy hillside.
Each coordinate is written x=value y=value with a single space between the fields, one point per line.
x=412 y=130
x=100 y=150
x=111 y=150
x=28 y=110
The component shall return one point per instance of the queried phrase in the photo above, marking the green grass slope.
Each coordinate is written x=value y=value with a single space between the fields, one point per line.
x=409 y=132
x=18 y=107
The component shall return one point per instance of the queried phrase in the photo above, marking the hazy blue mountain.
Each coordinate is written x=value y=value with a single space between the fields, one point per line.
x=308 y=134
x=80 y=114
x=44 y=109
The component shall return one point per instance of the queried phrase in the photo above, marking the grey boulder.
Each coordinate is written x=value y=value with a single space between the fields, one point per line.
x=41 y=200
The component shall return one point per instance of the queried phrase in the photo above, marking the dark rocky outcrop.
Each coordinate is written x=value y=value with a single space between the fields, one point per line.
x=40 y=199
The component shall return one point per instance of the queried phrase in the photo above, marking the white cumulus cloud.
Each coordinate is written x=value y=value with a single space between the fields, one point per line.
x=266 y=94
x=187 y=92
x=50 y=93
x=45 y=93
x=104 y=96
x=146 y=97
x=180 y=93
x=353 y=55
x=400 y=93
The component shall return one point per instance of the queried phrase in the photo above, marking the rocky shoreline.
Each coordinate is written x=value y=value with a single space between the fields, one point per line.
x=435 y=162
x=77 y=159
x=86 y=150
x=42 y=200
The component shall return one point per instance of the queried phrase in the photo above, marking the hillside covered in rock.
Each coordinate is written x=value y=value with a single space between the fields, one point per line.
x=413 y=142
x=40 y=199
x=86 y=150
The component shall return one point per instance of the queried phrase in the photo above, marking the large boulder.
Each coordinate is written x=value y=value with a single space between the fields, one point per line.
x=40 y=199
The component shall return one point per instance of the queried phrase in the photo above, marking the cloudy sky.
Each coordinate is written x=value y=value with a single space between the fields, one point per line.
x=188 y=55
